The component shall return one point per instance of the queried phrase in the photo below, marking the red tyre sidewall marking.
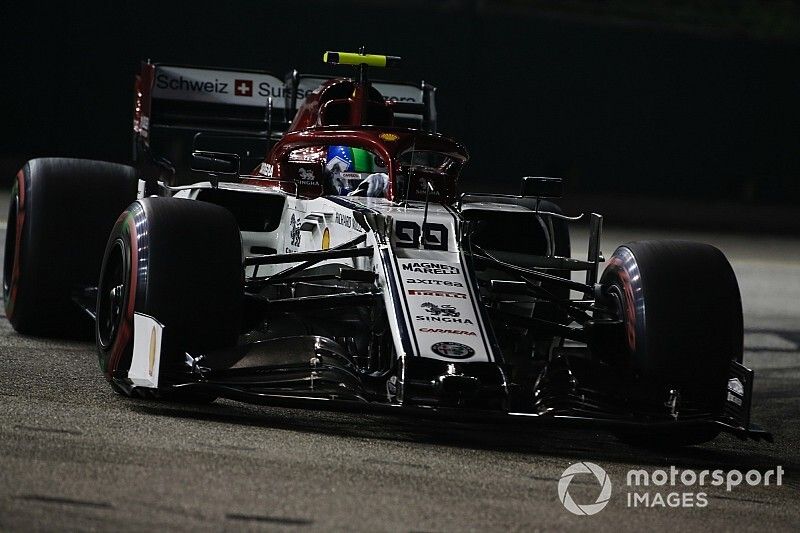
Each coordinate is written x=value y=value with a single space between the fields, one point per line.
x=15 y=272
x=630 y=310
x=125 y=333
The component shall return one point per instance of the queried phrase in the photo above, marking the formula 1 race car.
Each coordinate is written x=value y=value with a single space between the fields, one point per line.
x=347 y=271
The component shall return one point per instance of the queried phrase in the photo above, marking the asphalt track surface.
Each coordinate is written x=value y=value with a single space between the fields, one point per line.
x=75 y=456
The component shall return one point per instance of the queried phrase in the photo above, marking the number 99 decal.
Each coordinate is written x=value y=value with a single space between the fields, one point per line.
x=407 y=233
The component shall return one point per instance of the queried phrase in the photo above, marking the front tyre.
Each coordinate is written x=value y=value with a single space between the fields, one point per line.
x=60 y=213
x=180 y=262
x=682 y=316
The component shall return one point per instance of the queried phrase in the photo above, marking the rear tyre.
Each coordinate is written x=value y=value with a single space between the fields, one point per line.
x=179 y=261
x=682 y=316
x=60 y=213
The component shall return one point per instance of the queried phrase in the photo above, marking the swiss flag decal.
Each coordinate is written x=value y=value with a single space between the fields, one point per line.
x=243 y=88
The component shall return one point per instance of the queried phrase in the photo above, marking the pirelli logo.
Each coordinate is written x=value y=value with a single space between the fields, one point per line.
x=443 y=294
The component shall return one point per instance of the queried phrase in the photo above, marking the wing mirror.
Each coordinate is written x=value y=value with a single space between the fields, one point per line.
x=215 y=162
x=540 y=187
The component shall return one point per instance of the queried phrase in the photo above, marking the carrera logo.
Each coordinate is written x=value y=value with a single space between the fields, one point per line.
x=443 y=294
x=448 y=331
x=243 y=88
x=431 y=268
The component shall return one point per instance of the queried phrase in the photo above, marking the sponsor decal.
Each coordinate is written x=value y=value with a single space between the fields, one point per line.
x=348 y=222
x=448 y=331
x=735 y=391
x=431 y=268
x=393 y=98
x=397 y=92
x=439 y=306
x=407 y=235
x=392 y=92
x=445 y=319
x=306 y=176
x=443 y=294
x=452 y=350
x=422 y=189
x=221 y=86
x=294 y=233
x=326 y=239
x=153 y=350
x=390 y=137
x=437 y=282
x=243 y=87
x=440 y=310
x=265 y=170
x=279 y=93
x=735 y=386
x=190 y=84
x=442 y=313
x=153 y=347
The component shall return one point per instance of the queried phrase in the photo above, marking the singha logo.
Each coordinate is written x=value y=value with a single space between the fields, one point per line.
x=294 y=235
x=440 y=310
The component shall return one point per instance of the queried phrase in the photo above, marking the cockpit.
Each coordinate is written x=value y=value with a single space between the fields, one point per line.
x=344 y=141
x=344 y=170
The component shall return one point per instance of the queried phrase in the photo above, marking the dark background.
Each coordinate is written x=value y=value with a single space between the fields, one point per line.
x=675 y=101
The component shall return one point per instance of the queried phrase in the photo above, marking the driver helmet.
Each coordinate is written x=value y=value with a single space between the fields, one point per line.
x=349 y=166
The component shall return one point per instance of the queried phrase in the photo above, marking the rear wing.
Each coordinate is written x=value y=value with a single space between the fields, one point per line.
x=182 y=108
x=414 y=105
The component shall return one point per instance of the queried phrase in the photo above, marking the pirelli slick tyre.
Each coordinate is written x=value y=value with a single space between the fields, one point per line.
x=180 y=262
x=682 y=316
x=60 y=213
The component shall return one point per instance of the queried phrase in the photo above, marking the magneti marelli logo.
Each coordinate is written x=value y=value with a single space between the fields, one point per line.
x=587 y=509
